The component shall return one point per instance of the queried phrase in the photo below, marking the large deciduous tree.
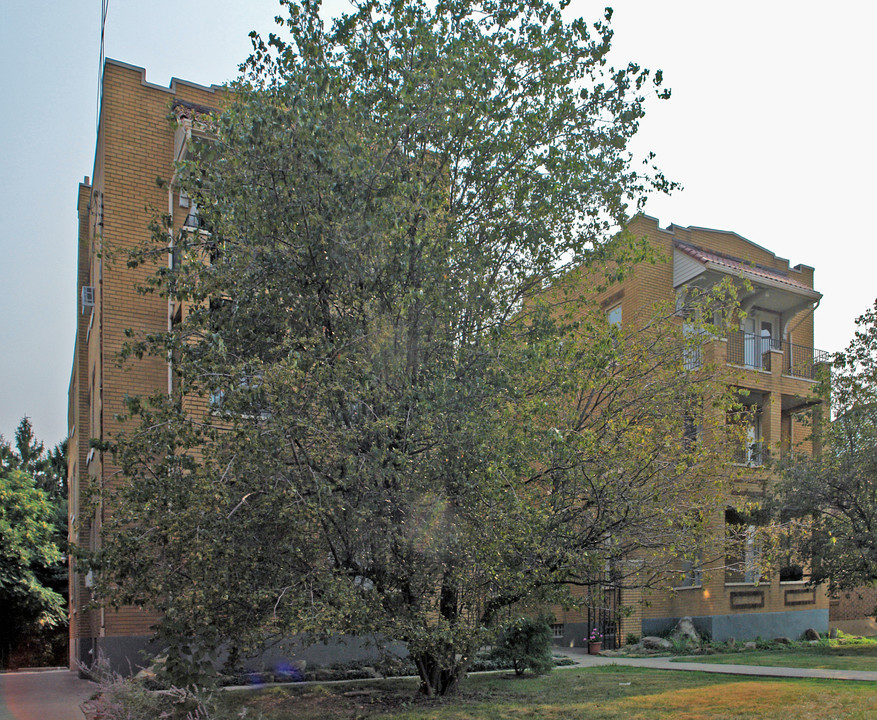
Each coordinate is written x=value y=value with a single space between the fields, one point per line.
x=385 y=422
x=33 y=521
x=835 y=492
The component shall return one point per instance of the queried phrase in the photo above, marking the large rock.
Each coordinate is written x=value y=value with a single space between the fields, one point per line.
x=686 y=632
x=783 y=640
x=652 y=642
x=811 y=634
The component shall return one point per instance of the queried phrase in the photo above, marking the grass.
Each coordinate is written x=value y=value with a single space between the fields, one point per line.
x=605 y=693
x=842 y=655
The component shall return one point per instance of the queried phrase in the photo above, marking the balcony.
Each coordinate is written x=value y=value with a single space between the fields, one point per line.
x=802 y=361
x=754 y=352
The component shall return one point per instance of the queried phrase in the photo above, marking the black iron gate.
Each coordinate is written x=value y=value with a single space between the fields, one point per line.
x=603 y=605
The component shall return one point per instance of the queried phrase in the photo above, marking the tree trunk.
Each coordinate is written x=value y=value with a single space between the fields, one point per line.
x=436 y=680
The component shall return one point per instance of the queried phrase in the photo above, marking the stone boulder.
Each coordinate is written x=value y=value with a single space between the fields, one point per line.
x=686 y=632
x=652 y=642
x=751 y=645
x=324 y=674
x=811 y=634
x=783 y=640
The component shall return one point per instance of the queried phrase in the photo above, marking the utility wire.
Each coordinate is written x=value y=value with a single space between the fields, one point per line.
x=105 y=4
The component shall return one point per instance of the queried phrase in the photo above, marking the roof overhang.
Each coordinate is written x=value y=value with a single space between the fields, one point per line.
x=761 y=286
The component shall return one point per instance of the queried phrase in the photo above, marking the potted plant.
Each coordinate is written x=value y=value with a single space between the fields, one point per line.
x=595 y=642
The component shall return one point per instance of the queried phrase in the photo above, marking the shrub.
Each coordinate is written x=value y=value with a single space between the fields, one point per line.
x=119 y=698
x=526 y=643
x=631 y=639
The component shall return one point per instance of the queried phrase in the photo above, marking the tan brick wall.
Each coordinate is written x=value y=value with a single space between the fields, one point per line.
x=134 y=150
x=651 y=283
x=854 y=604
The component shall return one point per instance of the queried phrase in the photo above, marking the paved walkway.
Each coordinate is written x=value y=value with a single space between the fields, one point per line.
x=582 y=659
x=43 y=695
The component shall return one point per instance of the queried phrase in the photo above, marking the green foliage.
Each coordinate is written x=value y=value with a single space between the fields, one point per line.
x=33 y=530
x=26 y=548
x=831 y=499
x=384 y=422
x=26 y=533
x=120 y=698
x=525 y=642
x=682 y=644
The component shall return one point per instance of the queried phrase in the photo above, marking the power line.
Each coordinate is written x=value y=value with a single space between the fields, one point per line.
x=105 y=4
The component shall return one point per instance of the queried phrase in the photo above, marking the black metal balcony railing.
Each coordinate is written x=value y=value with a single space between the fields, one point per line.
x=801 y=361
x=753 y=351
x=692 y=358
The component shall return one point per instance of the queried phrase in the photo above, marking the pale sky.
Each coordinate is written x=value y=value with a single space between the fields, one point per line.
x=770 y=130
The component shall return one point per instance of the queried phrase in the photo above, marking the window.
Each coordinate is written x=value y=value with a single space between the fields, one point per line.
x=692 y=430
x=557 y=630
x=791 y=562
x=751 y=453
x=613 y=315
x=215 y=399
x=742 y=548
x=791 y=572
x=193 y=220
x=244 y=398
x=692 y=572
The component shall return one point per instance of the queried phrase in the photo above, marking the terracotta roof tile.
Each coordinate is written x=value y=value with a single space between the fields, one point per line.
x=739 y=265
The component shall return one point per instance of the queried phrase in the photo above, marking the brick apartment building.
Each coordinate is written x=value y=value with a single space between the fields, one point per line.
x=774 y=355
x=137 y=145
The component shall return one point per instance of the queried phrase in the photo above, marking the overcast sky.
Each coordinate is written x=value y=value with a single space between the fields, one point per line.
x=770 y=129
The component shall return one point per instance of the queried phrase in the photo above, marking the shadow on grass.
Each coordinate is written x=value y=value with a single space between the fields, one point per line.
x=607 y=692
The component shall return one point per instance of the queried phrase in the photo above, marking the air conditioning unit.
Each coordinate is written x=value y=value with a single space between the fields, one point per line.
x=87 y=297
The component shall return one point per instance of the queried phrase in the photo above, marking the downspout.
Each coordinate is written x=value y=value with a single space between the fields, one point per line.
x=102 y=630
x=170 y=265
x=787 y=330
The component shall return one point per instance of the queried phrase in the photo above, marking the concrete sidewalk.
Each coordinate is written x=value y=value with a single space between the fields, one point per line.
x=582 y=659
x=43 y=695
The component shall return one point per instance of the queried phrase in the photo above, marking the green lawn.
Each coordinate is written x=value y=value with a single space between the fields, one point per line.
x=596 y=694
x=850 y=656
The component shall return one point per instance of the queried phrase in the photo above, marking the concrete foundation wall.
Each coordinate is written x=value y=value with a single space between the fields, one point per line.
x=574 y=635
x=127 y=655
x=340 y=650
x=747 y=626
